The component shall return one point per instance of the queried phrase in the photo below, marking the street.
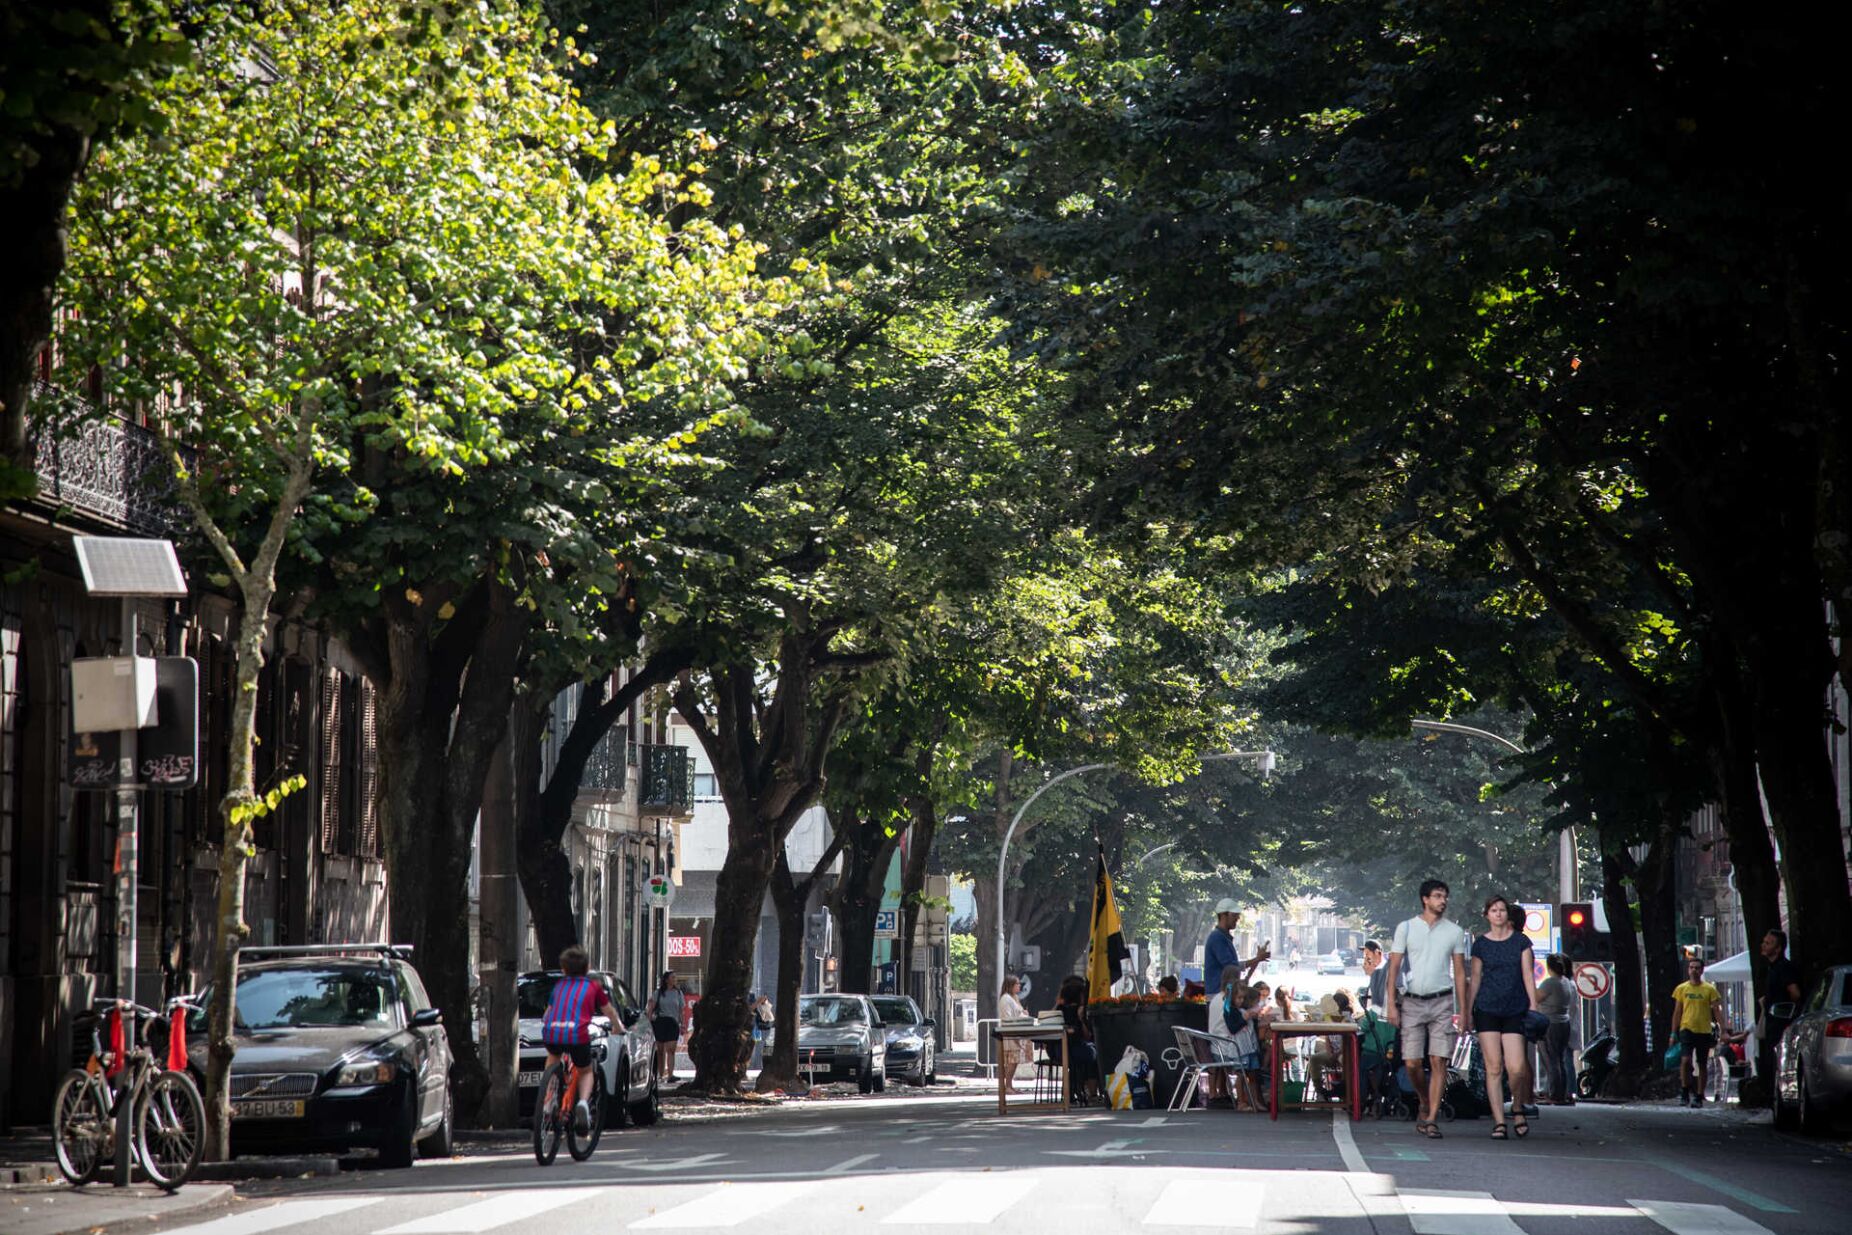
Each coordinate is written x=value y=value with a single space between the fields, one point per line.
x=950 y=1162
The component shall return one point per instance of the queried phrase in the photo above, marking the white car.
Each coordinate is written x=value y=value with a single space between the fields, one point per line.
x=626 y=1061
x=842 y=1036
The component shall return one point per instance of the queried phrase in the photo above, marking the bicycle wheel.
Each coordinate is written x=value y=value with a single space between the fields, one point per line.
x=80 y=1123
x=580 y=1147
x=546 y=1114
x=170 y=1129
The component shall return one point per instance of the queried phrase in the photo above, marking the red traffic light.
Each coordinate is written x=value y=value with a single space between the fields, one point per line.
x=1577 y=917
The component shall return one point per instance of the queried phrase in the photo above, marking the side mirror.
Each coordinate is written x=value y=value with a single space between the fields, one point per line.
x=929 y=1023
x=1783 y=1011
x=427 y=1018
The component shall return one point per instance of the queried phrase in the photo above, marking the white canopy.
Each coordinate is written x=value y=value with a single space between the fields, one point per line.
x=1729 y=969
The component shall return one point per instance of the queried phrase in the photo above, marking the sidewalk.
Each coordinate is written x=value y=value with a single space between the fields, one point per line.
x=59 y=1209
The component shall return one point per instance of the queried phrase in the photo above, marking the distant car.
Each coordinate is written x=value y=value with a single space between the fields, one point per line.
x=1331 y=962
x=1813 y=1066
x=626 y=1060
x=1348 y=956
x=909 y=1038
x=840 y=1037
x=337 y=1048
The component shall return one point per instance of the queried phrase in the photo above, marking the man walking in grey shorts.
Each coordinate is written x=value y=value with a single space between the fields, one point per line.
x=1432 y=952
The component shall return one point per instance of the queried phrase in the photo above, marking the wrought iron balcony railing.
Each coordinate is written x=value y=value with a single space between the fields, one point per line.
x=606 y=770
x=110 y=469
x=666 y=783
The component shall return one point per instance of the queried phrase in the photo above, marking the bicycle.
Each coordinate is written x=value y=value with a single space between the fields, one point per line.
x=559 y=1087
x=158 y=1109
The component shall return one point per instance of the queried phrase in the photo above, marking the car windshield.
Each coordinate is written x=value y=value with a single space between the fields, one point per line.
x=896 y=1011
x=315 y=999
x=830 y=1012
x=531 y=995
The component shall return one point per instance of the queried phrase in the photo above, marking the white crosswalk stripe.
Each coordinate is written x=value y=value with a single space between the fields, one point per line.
x=1456 y=1213
x=1208 y=1202
x=495 y=1211
x=966 y=1200
x=276 y=1217
x=728 y=1205
x=1686 y=1218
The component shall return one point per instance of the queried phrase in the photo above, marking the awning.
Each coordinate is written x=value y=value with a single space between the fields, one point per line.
x=1730 y=969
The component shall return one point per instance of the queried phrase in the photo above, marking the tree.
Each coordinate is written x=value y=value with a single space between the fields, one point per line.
x=74 y=74
x=363 y=258
x=1437 y=258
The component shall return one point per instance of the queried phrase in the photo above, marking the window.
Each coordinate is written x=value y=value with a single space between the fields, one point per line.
x=896 y=1012
x=705 y=786
x=315 y=998
x=826 y=1010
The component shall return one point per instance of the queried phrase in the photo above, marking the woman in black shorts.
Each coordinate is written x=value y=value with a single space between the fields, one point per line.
x=1500 y=990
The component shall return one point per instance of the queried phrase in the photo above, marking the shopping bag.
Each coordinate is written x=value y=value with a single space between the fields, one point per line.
x=1674 y=1053
x=1119 y=1089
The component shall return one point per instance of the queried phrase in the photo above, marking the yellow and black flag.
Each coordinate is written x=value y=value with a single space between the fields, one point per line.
x=1108 y=953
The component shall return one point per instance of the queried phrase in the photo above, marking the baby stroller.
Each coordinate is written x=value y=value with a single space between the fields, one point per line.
x=1380 y=1059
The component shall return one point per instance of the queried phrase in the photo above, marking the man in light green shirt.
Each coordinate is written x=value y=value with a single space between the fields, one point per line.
x=1431 y=951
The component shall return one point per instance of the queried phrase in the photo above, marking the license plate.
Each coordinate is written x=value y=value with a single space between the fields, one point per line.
x=525 y=1080
x=269 y=1108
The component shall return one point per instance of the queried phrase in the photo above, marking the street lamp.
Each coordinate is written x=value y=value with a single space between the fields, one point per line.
x=1565 y=840
x=1265 y=760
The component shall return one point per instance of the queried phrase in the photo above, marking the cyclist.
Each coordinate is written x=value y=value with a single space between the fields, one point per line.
x=567 y=1028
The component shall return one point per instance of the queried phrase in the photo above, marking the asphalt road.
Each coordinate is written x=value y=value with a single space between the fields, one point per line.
x=948 y=1162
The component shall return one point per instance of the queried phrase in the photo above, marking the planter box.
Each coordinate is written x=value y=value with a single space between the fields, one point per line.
x=1146 y=1026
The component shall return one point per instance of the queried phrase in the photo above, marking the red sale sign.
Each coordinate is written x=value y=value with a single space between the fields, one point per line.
x=685 y=946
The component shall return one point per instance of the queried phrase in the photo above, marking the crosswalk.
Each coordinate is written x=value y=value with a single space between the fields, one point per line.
x=1030 y=1199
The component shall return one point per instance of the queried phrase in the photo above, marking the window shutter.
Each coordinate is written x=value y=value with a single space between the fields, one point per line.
x=369 y=771
x=331 y=761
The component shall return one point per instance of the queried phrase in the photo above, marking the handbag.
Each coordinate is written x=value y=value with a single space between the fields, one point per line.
x=1536 y=1024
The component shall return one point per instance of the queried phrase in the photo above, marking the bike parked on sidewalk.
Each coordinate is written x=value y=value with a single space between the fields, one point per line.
x=157 y=1108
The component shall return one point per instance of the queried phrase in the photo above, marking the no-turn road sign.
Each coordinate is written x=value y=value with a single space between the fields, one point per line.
x=1592 y=980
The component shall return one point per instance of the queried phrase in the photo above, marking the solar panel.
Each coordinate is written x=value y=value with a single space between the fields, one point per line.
x=123 y=566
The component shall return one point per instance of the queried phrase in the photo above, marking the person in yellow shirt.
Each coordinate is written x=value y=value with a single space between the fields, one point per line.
x=1695 y=1019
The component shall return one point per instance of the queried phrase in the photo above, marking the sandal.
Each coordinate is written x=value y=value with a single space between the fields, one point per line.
x=1429 y=1129
x=1498 y=1132
x=1521 y=1126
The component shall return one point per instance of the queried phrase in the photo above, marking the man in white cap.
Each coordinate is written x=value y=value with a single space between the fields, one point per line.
x=1220 y=963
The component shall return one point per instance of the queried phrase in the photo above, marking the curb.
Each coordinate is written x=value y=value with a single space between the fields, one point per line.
x=267 y=1168
x=61 y=1210
x=28 y=1173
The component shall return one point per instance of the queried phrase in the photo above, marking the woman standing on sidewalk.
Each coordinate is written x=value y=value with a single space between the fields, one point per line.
x=1011 y=1056
x=1500 y=990
x=1555 y=996
x=665 y=1010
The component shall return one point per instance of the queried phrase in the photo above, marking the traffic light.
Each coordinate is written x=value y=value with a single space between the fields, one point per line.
x=1581 y=941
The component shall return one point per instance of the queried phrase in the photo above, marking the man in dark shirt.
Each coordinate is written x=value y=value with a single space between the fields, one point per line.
x=1781 y=986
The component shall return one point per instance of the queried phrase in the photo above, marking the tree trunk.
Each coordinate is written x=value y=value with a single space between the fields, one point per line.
x=1656 y=878
x=868 y=851
x=234 y=852
x=779 y=1068
x=1629 y=1026
x=500 y=958
x=444 y=705
x=720 y=1020
x=989 y=977
x=923 y=829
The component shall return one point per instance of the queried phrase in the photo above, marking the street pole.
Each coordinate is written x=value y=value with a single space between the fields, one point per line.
x=1266 y=758
x=128 y=818
x=1566 y=875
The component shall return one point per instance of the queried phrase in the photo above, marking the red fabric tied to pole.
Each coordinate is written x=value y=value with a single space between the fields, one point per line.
x=176 y=1041
x=118 y=1047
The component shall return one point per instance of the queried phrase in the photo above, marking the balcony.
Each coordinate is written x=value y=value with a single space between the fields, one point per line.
x=607 y=769
x=111 y=470
x=665 y=785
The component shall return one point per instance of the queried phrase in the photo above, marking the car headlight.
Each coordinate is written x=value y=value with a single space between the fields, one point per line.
x=365 y=1072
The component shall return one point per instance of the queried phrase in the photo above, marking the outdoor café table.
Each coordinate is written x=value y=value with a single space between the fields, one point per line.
x=1041 y=1033
x=1314 y=1029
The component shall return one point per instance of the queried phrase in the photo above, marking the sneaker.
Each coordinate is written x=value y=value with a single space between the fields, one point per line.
x=1684 y=1099
x=581 y=1118
x=1697 y=1099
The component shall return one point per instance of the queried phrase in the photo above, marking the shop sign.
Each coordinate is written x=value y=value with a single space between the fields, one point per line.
x=685 y=947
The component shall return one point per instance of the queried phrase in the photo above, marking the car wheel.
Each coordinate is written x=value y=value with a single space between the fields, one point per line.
x=931 y=1070
x=396 y=1150
x=865 y=1078
x=649 y=1110
x=437 y=1145
x=617 y=1108
x=1813 y=1120
x=1787 y=1114
x=880 y=1081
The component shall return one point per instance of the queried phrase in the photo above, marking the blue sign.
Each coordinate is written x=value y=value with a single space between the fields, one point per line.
x=887 y=924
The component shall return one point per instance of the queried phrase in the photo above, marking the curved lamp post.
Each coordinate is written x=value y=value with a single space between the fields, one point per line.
x=1265 y=757
x=1565 y=840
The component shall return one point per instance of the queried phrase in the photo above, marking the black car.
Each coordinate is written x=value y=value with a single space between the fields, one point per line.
x=909 y=1038
x=337 y=1048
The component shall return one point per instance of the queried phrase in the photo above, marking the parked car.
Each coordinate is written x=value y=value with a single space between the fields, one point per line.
x=1813 y=1065
x=626 y=1057
x=909 y=1038
x=1331 y=962
x=338 y=1048
x=840 y=1036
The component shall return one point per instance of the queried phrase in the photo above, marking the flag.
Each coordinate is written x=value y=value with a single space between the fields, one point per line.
x=1108 y=953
